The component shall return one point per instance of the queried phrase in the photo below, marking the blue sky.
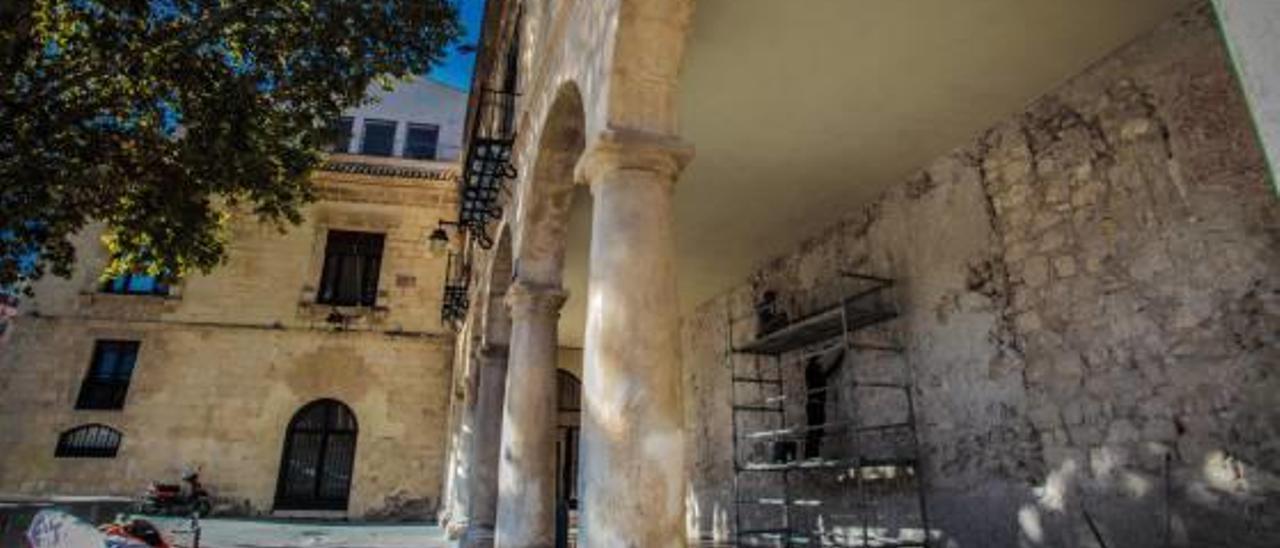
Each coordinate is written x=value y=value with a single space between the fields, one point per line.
x=456 y=68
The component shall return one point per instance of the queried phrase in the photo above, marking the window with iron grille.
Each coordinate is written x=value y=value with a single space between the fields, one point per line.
x=379 y=137
x=107 y=383
x=420 y=141
x=341 y=134
x=89 y=441
x=352 y=261
x=135 y=284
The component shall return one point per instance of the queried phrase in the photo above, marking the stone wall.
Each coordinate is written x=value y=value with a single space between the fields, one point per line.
x=227 y=360
x=1090 y=300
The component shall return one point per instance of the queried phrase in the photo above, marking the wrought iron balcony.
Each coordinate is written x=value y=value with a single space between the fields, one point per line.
x=457 y=284
x=487 y=164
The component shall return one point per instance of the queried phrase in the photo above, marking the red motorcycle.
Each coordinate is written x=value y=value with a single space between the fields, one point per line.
x=175 y=499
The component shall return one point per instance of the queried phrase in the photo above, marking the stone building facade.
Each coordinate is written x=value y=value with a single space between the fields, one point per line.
x=219 y=372
x=1084 y=282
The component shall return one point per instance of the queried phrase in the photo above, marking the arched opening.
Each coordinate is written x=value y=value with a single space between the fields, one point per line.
x=549 y=193
x=568 y=427
x=319 y=454
x=89 y=441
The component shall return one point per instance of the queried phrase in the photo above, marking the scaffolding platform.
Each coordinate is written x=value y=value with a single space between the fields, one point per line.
x=852 y=313
x=821 y=333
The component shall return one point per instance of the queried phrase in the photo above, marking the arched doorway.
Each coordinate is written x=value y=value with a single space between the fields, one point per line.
x=319 y=453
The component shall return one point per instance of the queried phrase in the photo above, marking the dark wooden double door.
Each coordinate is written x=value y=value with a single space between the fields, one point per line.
x=319 y=456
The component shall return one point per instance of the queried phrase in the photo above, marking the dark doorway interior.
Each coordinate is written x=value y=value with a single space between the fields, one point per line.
x=569 y=402
x=319 y=453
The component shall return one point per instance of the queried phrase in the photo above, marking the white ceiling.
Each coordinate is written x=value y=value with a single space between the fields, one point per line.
x=802 y=111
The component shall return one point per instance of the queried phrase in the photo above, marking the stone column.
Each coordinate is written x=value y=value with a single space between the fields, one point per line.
x=526 y=470
x=462 y=453
x=486 y=441
x=632 y=453
x=1252 y=32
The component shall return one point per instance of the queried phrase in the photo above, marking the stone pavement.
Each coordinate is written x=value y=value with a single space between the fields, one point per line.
x=233 y=533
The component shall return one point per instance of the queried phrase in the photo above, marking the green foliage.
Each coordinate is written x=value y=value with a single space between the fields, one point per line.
x=156 y=116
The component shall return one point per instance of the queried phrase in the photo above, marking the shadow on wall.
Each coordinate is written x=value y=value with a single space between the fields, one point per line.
x=1106 y=501
x=1112 y=500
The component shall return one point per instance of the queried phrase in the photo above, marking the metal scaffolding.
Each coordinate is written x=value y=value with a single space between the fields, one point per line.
x=801 y=479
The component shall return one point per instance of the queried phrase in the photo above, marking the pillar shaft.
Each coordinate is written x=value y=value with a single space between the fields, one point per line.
x=1251 y=29
x=462 y=455
x=632 y=453
x=486 y=444
x=526 y=470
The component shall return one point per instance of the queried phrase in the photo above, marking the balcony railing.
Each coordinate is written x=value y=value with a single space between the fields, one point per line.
x=457 y=283
x=488 y=163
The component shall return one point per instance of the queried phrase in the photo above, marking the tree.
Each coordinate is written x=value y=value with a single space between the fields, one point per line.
x=157 y=117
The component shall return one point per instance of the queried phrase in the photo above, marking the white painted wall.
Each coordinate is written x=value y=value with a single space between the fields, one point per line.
x=1252 y=30
x=420 y=101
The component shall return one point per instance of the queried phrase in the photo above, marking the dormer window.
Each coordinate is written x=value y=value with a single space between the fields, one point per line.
x=421 y=140
x=341 y=135
x=379 y=137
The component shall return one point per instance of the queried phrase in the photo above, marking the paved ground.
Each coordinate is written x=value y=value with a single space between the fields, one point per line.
x=231 y=533
x=16 y=513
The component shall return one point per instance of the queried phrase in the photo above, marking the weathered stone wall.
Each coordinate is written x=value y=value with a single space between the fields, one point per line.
x=226 y=361
x=1089 y=290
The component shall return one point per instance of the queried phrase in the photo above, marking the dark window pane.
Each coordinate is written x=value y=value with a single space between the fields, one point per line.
x=88 y=441
x=570 y=391
x=352 y=261
x=341 y=134
x=135 y=284
x=421 y=140
x=379 y=137
x=107 y=382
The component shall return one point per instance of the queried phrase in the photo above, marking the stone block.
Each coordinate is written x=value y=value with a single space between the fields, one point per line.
x=1053 y=240
x=1029 y=321
x=1035 y=271
x=1123 y=431
x=1064 y=266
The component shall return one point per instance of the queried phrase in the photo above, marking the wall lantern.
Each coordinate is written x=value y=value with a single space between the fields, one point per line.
x=438 y=241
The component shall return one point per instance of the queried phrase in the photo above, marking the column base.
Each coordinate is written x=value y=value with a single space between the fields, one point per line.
x=476 y=537
x=455 y=529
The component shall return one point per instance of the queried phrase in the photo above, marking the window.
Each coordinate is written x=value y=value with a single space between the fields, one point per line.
x=341 y=135
x=351 y=264
x=89 y=441
x=135 y=284
x=421 y=141
x=379 y=137
x=108 y=380
x=569 y=391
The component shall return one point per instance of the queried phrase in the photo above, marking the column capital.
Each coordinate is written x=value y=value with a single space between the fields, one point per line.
x=629 y=149
x=527 y=299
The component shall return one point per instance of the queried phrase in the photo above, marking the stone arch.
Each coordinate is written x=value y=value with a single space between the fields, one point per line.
x=548 y=191
x=644 y=65
x=318 y=459
x=496 y=324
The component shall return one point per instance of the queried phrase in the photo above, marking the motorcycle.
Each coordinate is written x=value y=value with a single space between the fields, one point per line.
x=173 y=499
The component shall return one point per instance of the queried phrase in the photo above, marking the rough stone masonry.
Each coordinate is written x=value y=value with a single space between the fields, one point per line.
x=1090 y=293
